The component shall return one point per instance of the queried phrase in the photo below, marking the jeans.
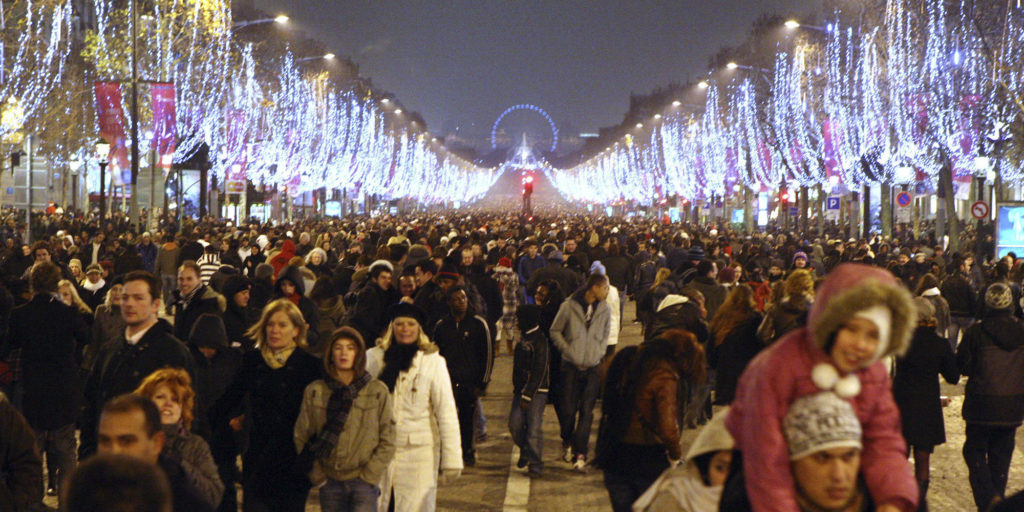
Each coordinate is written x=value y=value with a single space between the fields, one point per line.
x=349 y=496
x=169 y=284
x=958 y=325
x=61 y=452
x=479 y=421
x=525 y=426
x=625 y=488
x=465 y=406
x=987 y=452
x=576 y=410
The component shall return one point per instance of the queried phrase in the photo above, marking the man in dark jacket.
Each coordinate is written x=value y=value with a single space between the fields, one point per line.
x=238 y=316
x=465 y=343
x=50 y=335
x=193 y=299
x=567 y=280
x=146 y=346
x=21 y=468
x=991 y=355
x=962 y=300
x=530 y=375
x=130 y=425
x=529 y=263
x=431 y=291
x=370 y=317
x=714 y=293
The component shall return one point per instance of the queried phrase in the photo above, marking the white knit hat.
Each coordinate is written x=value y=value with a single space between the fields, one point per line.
x=821 y=421
x=671 y=300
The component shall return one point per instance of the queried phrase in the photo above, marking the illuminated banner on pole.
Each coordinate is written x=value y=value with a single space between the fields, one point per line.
x=165 y=126
x=110 y=116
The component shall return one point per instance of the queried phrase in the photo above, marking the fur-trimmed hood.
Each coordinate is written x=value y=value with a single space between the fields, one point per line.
x=852 y=287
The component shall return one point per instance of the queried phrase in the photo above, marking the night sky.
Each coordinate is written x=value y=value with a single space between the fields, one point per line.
x=462 y=63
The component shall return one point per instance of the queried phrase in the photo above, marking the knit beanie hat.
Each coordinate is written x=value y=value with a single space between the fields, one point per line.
x=998 y=296
x=696 y=253
x=821 y=421
x=799 y=255
x=881 y=316
x=597 y=268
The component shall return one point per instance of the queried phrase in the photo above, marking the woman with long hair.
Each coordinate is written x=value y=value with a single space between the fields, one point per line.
x=733 y=341
x=346 y=423
x=653 y=295
x=69 y=296
x=426 y=422
x=268 y=389
x=791 y=311
x=171 y=390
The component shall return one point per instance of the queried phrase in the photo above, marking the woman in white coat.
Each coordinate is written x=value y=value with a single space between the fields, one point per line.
x=426 y=424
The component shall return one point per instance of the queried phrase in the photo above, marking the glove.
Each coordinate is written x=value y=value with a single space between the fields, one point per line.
x=449 y=476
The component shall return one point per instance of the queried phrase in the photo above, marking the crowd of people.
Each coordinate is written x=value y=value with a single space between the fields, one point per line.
x=351 y=354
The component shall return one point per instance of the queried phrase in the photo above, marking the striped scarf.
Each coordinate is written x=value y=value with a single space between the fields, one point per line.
x=338 y=407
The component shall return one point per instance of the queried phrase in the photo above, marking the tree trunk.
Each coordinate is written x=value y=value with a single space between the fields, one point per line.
x=886 y=209
x=948 y=203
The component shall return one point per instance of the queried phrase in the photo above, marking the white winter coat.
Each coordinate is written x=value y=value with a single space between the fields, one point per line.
x=426 y=431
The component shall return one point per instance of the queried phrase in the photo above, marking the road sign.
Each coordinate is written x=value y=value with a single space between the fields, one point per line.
x=903 y=199
x=832 y=205
x=979 y=210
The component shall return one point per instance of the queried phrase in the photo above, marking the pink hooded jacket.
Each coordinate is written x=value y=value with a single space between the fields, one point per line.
x=782 y=373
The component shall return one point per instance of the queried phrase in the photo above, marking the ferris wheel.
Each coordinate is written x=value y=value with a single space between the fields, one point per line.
x=527 y=107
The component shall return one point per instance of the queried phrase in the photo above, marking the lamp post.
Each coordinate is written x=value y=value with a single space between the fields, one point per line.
x=103 y=150
x=281 y=19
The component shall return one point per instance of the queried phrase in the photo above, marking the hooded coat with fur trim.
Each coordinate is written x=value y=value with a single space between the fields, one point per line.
x=782 y=373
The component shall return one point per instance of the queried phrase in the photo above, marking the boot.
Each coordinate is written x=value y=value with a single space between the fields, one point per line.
x=923 y=506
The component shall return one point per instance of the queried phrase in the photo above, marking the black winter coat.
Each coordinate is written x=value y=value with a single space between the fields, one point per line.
x=916 y=390
x=731 y=357
x=205 y=301
x=619 y=270
x=960 y=296
x=21 y=468
x=272 y=400
x=466 y=346
x=121 y=367
x=991 y=356
x=51 y=336
x=370 y=316
x=309 y=310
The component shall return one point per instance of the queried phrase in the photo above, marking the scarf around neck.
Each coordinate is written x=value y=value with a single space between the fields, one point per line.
x=277 y=359
x=338 y=407
x=397 y=359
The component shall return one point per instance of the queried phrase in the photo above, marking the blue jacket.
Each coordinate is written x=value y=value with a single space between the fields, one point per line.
x=527 y=266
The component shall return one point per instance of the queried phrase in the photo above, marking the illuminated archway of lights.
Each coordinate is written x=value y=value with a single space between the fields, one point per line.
x=525 y=106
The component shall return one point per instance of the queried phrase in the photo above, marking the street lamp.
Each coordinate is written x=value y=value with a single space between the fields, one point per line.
x=794 y=24
x=103 y=152
x=326 y=56
x=280 y=20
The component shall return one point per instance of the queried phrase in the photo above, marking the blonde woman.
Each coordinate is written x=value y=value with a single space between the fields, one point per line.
x=69 y=296
x=426 y=423
x=346 y=424
x=171 y=390
x=270 y=384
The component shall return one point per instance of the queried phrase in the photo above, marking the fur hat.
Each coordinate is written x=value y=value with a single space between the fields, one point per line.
x=852 y=288
x=998 y=296
x=821 y=421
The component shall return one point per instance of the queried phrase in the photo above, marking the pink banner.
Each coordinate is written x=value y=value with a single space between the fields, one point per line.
x=165 y=127
x=110 y=116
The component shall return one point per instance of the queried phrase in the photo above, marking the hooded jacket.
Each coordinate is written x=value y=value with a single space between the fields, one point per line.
x=991 y=355
x=681 y=488
x=293 y=275
x=581 y=343
x=206 y=300
x=281 y=259
x=782 y=373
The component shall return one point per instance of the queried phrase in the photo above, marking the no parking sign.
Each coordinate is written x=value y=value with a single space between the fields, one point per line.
x=903 y=199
